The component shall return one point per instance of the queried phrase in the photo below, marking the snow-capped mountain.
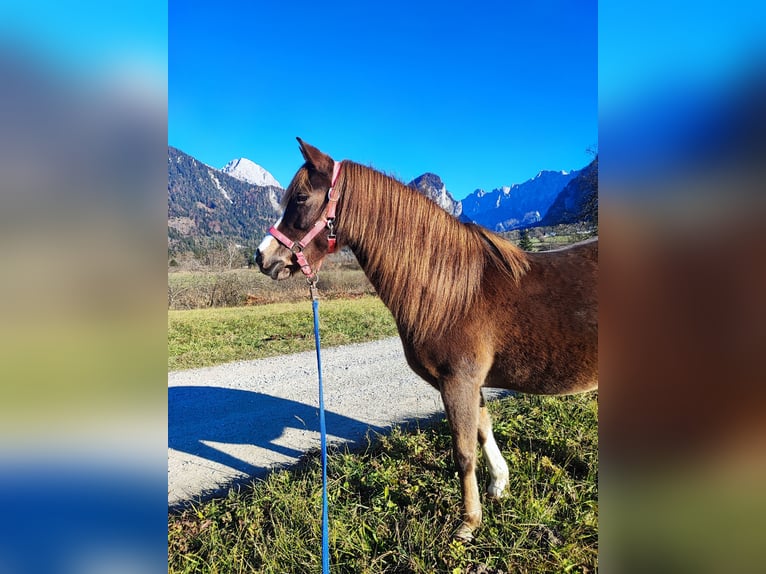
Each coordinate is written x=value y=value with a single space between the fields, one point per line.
x=204 y=202
x=518 y=205
x=245 y=170
x=431 y=185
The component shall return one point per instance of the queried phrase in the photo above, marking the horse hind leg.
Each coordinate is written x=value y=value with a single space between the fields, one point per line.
x=498 y=468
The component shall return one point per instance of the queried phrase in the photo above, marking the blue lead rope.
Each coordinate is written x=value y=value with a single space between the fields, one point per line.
x=323 y=439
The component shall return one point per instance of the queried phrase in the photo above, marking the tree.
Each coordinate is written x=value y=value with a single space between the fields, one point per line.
x=590 y=201
x=525 y=242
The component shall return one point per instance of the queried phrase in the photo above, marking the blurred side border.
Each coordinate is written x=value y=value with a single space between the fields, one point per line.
x=682 y=328
x=83 y=179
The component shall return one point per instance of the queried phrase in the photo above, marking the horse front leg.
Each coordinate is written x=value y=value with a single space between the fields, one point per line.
x=461 y=403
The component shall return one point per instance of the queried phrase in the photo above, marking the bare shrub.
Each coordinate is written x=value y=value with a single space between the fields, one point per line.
x=227 y=291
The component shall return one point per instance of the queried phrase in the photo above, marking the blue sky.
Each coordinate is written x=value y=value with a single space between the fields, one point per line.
x=659 y=46
x=484 y=94
x=92 y=39
x=673 y=80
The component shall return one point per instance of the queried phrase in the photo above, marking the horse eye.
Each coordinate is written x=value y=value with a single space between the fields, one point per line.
x=302 y=198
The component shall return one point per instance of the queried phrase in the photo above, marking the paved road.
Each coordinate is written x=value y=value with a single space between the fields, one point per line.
x=240 y=420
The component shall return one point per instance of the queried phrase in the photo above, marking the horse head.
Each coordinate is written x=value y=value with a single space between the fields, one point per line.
x=302 y=237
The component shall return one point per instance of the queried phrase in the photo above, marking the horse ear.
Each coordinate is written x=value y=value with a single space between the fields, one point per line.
x=322 y=162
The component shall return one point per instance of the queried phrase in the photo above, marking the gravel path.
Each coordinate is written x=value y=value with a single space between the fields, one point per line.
x=239 y=420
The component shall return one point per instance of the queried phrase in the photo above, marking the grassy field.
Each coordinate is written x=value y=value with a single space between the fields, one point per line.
x=204 y=337
x=394 y=507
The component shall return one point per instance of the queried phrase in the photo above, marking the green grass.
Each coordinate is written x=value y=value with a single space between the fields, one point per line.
x=204 y=337
x=394 y=507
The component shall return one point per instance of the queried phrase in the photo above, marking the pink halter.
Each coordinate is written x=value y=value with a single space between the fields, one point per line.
x=326 y=220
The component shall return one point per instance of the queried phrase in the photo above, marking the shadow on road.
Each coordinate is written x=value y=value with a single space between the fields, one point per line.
x=239 y=417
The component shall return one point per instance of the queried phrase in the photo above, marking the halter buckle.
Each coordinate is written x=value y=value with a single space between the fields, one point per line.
x=331 y=240
x=312 y=281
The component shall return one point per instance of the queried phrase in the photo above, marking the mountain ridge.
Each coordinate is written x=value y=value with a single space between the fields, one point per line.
x=432 y=186
x=578 y=200
x=518 y=205
x=206 y=203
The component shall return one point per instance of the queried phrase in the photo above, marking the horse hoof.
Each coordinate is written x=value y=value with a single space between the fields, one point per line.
x=496 y=491
x=464 y=533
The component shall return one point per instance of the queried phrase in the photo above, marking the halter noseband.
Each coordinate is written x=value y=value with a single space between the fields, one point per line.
x=326 y=220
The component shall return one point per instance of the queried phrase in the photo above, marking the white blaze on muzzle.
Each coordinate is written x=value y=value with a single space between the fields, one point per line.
x=268 y=240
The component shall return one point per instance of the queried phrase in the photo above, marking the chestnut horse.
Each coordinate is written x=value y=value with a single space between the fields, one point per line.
x=471 y=308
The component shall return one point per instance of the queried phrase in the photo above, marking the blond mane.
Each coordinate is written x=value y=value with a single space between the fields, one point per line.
x=426 y=265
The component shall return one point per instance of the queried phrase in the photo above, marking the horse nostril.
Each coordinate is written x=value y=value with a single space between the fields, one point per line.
x=258 y=257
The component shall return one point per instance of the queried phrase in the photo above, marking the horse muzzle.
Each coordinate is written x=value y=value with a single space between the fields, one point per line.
x=274 y=267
